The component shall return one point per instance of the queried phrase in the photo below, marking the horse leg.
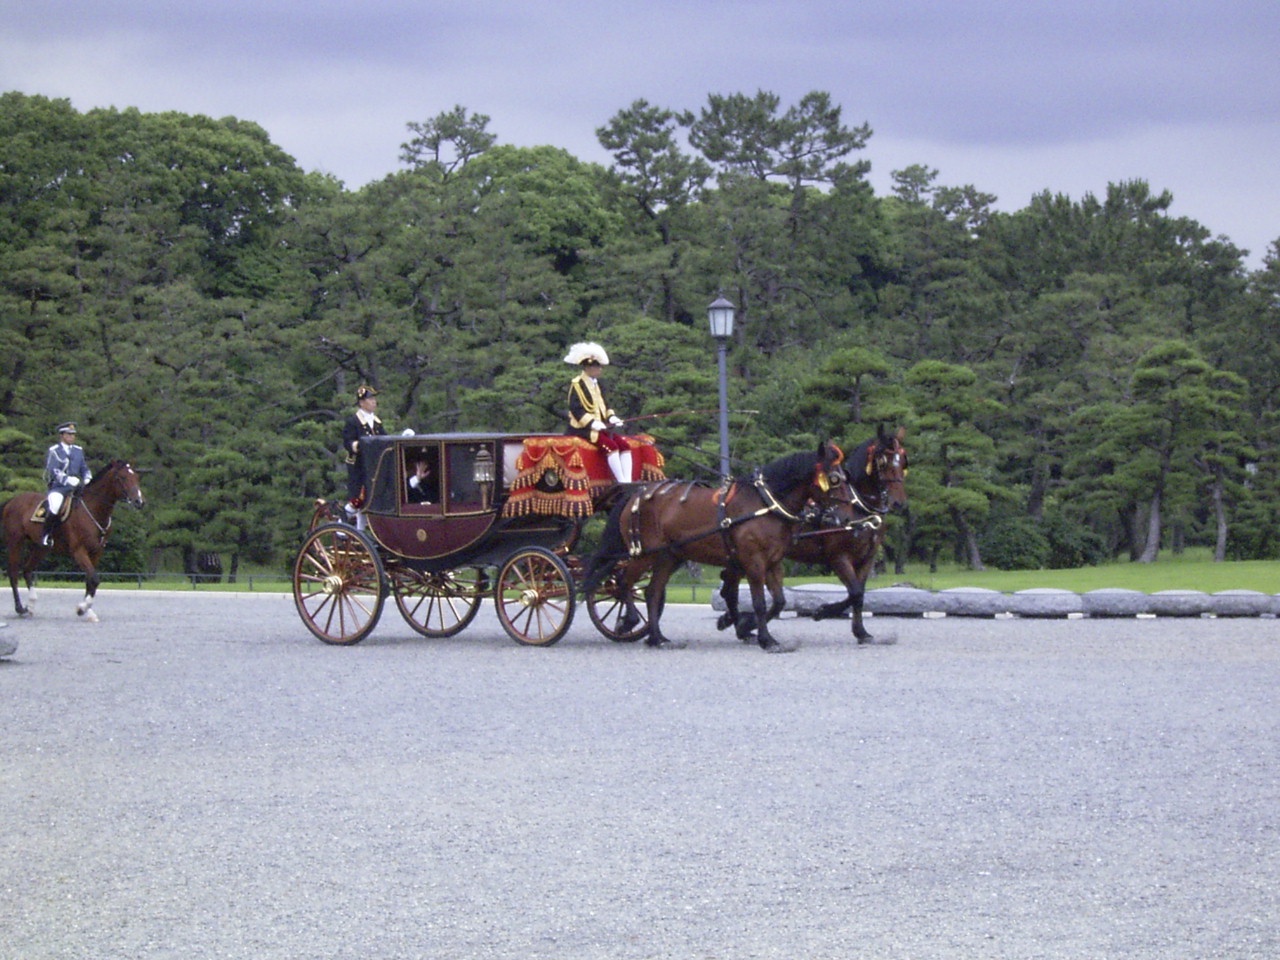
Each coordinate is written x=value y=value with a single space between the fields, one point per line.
x=774 y=582
x=656 y=597
x=19 y=567
x=857 y=592
x=626 y=579
x=91 y=580
x=767 y=641
x=843 y=568
x=730 y=577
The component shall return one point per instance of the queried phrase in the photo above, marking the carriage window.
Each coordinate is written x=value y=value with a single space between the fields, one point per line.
x=421 y=475
x=471 y=476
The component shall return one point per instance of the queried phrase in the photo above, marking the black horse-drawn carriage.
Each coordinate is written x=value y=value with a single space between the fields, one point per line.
x=499 y=516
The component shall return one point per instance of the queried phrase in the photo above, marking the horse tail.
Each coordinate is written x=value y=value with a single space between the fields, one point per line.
x=613 y=547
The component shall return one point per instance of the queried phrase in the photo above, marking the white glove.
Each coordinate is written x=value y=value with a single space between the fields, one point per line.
x=615 y=421
x=597 y=425
x=73 y=481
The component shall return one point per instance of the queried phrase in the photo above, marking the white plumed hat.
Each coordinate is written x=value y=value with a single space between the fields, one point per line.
x=582 y=352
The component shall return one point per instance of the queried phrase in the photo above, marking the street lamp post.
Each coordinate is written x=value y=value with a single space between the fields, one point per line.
x=720 y=316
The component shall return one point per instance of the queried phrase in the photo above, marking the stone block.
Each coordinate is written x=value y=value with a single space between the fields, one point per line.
x=805 y=598
x=1240 y=603
x=900 y=602
x=973 y=602
x=1179 y=603
x=1045 y=602
x=1115 y=602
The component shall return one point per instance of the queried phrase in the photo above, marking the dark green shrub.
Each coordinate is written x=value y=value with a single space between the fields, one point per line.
x=1072 y=544
x=1254 y=533
x=1014 y=543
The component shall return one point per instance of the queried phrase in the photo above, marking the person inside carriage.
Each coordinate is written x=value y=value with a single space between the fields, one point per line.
x=422 y=486
x=65 y=471
x=363 y=422
x=589 y=416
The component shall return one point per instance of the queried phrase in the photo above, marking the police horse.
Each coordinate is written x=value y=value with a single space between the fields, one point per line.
x=82 y=535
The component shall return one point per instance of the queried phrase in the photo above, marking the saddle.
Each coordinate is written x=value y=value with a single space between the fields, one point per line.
x=42 y=509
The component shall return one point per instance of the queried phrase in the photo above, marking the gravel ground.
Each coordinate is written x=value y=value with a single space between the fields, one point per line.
x=195 y=776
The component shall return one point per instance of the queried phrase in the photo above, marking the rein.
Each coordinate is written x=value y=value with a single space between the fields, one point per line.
x=102 y=531
x=873 y=520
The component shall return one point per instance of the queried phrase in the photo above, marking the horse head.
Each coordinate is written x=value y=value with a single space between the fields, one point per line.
x=887 y=466
x=124 y=483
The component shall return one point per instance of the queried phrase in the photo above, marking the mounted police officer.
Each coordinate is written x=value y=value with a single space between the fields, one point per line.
x=589 y=416
x=66 y=472
x=363 y=422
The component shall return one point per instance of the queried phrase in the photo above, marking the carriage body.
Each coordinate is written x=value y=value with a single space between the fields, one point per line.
x=500 y=518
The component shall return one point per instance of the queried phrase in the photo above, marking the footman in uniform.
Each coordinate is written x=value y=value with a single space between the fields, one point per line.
x=363 y=422
x=589 y=416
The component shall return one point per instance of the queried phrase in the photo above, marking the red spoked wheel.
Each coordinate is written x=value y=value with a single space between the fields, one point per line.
x=534 y=596
x=438 y=604
x=338 y=585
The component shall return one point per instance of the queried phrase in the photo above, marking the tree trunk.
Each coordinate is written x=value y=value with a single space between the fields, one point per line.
x=972 y=553
x=1220 y=516
x=1152 y=549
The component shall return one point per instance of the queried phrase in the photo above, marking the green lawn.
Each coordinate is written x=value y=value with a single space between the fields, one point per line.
x=1194 y=570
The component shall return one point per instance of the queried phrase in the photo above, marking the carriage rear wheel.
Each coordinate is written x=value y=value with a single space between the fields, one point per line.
x=338 y=586
x=438 y=604
x=620 y=616
x=534 y=596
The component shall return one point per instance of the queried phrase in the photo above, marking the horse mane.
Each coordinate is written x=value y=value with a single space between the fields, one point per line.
x=106 y=471
x=787 y=473
x=855 y=462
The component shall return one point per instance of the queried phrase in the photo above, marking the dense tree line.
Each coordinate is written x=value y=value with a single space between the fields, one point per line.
x=1082 y=379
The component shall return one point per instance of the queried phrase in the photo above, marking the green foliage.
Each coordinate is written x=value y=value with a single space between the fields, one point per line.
x=203 y=307
x=1015 y=542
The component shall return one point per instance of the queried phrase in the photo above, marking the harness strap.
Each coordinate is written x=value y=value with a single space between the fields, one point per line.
x=722 y=497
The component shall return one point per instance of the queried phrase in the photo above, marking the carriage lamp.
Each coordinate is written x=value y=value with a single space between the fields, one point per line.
x=720 y=317
x=482 y=473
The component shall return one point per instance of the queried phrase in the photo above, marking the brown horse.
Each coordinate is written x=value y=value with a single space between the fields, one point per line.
x=746 y=525
x=81 y=536
x=845 y=535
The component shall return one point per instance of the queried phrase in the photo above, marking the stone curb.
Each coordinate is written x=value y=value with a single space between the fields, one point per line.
x=1043 y=602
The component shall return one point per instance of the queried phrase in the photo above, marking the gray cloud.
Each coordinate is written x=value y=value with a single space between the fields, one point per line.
x=993 y=86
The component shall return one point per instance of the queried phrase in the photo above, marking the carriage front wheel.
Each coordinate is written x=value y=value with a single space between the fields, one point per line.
x=534 y=596
x=338 y=584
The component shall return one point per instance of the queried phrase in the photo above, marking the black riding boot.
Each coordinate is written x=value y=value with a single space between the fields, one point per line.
x=51 y=522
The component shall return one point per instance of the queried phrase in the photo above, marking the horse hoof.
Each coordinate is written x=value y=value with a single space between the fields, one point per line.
x=871 y=641
x=724 y=622
x=777 y=646
x=666 y=644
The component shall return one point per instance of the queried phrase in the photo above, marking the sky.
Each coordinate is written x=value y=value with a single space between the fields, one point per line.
x=1014 y=98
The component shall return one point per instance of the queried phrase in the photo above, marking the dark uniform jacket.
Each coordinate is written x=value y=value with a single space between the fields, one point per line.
x=353 y=429
x=586 y=404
